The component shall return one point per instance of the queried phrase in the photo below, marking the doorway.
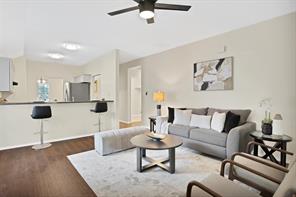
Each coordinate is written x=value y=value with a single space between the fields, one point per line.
x=135 y=94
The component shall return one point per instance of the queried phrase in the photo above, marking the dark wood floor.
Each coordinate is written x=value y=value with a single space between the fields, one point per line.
x=29 y=173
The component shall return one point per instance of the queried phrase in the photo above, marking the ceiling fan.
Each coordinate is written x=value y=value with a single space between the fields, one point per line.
x=147 y=7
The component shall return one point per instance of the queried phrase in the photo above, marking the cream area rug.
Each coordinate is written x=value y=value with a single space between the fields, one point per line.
x=116 y=174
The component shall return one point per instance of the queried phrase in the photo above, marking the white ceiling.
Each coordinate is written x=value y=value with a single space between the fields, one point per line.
x=35 y=27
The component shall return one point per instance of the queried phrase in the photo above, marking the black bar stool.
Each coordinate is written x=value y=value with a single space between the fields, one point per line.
x=101 y=107
x=41 y=112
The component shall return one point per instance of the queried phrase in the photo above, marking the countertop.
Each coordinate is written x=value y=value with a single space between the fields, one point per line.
x=50 y=103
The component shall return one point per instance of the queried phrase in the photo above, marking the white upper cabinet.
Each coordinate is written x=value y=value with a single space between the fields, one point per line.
x=86 y=78
x=5 y=75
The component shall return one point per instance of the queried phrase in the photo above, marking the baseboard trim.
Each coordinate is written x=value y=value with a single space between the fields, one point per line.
x=125 y=122
x=46 y=141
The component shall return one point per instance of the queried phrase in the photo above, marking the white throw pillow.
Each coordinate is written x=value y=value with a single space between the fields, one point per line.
x=200 y=121
x=218 y=121
x=182 y=117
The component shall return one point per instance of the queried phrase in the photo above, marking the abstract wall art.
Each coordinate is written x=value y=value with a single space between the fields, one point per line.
x=213 y=75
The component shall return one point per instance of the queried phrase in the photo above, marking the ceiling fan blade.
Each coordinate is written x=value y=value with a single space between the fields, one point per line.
x=123 y=11
x=164 y=6
x=139 y=1
x=150 y=20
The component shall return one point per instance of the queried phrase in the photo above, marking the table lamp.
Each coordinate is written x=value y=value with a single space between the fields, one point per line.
x=158 y=97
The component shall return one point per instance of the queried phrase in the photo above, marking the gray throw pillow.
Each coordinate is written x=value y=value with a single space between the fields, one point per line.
x=244 y=113
x=199 y=111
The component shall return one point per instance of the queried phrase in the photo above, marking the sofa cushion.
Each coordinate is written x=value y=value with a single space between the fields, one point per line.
x=244 y=113
x=199 y=111
x=179 y=130
x=208 y=136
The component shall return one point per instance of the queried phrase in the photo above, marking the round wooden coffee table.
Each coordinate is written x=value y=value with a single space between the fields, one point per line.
x=143 y=142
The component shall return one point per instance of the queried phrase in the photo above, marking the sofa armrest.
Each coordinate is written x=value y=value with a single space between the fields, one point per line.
x=238 y=138
x=159 y=122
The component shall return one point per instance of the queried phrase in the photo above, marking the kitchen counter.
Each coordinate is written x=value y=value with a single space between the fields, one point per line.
x=49 y=103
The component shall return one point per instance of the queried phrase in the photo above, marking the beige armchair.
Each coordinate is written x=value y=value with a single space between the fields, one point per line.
x=267 y=177
x=261 y=174
x=218 y=186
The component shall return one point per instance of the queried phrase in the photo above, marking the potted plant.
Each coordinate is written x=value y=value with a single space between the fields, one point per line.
x=266 y=125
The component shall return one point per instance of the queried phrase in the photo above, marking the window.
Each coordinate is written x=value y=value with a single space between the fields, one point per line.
x=42 y=90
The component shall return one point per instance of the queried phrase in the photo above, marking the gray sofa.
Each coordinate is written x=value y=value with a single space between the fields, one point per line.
x=221 y=145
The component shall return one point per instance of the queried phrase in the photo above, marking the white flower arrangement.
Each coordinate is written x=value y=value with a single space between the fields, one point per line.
x=266 y=104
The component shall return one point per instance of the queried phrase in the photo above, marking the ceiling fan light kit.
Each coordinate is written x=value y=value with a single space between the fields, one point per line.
x=146 y=14
x=146 y=10
x=147 y=7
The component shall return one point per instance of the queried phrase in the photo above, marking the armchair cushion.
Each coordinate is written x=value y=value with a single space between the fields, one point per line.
x=292 y=162
x=288 y=187
x=255 y=179
x=223 y=187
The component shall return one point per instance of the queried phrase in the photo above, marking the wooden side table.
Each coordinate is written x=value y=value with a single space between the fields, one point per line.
x=280 y=143
x=152 y=123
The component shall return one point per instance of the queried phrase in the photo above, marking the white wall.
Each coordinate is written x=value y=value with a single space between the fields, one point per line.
x=36 y=70
x=135 y=94
x=264 y=66
x=108 y=68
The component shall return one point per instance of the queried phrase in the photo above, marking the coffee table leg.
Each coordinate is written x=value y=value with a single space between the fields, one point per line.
x=143 y=152
x=172 y=160
x=139 y=159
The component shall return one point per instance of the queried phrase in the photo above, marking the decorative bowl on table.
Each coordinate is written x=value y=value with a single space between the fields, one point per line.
x=156 y=136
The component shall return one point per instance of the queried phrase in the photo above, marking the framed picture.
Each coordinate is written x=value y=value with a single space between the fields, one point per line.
x=213 y=75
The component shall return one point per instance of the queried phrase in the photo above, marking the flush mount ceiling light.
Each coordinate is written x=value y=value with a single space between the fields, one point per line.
x=147 y=8
x=71 y=46
x=55 y=56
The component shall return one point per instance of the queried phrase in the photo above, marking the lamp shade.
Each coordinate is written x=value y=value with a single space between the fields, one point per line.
x=158 y=96
x=278 y=117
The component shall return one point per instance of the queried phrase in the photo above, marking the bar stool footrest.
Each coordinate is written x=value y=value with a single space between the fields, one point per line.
x=41 y=146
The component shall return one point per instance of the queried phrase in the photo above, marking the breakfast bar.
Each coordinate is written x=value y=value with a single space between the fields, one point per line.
x=69 y=120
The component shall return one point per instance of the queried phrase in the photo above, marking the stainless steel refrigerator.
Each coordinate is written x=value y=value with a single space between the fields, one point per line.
x=76 y=92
